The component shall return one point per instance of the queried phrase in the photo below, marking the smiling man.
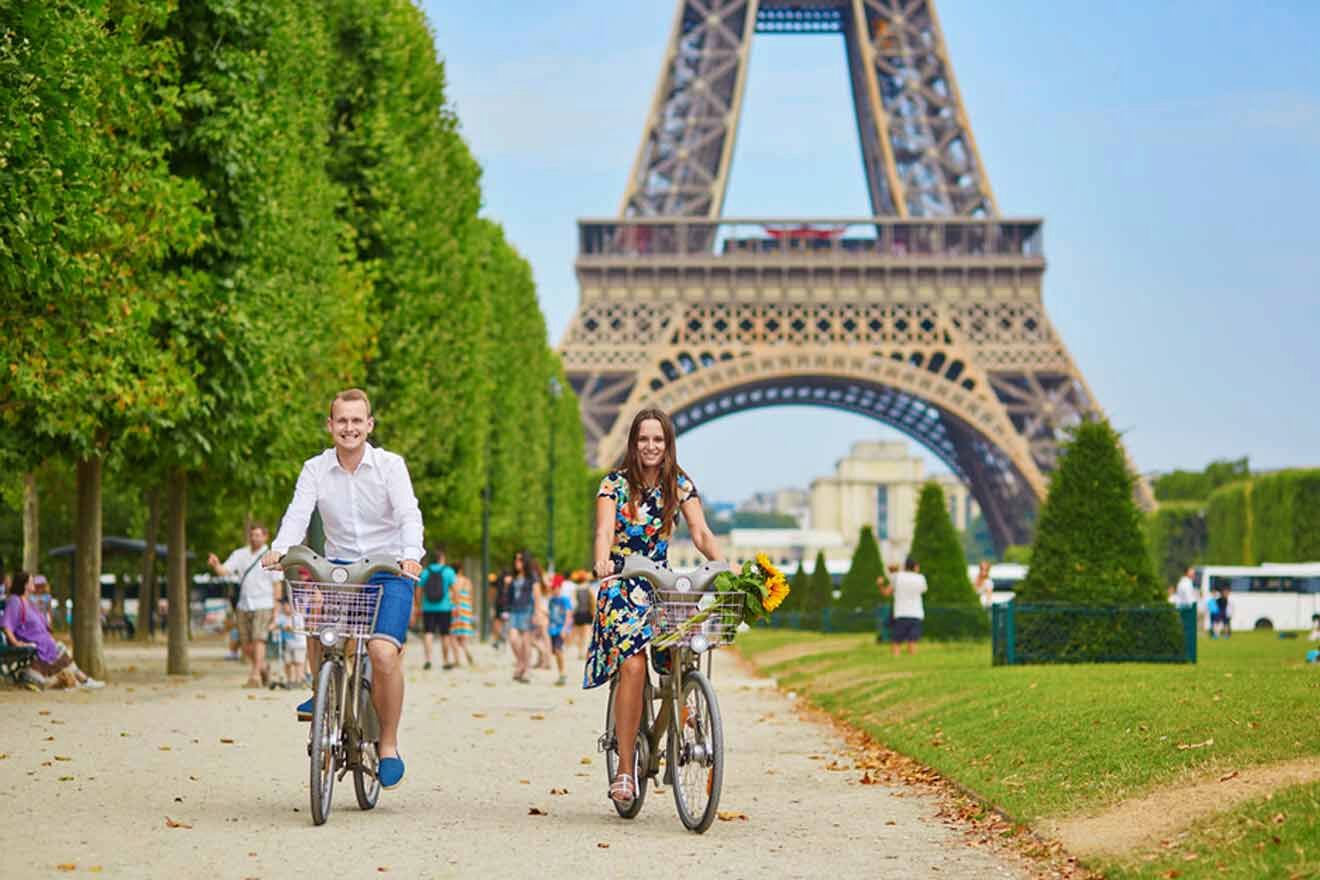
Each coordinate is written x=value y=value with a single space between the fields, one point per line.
x=365 y=497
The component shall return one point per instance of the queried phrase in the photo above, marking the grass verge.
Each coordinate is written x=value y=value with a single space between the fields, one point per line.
x=1045 y=742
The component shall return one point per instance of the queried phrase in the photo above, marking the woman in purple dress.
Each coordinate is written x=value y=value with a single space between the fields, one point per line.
x=25 y=625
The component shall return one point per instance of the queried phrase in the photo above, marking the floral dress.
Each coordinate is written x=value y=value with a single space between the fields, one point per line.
x=623 y=623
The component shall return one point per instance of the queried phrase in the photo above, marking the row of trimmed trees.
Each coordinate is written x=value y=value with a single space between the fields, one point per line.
x=212 y=217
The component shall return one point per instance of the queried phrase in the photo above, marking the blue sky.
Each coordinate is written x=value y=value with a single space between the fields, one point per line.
x=1171 y=148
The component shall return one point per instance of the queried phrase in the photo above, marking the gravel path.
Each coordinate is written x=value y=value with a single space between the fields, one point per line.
x=95 y=776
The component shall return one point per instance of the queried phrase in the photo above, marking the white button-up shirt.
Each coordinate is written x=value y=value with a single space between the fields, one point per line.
x=256 y=586
x=371 y=512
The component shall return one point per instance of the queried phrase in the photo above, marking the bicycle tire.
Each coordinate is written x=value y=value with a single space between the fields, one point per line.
x=687 y=731
x=366 y=784
x=324 y=735
x=640 y=755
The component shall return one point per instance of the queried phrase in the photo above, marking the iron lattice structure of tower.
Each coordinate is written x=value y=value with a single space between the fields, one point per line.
x=927 y=316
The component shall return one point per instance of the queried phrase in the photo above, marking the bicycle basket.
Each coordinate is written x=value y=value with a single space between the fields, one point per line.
x=714 y=615
x=346 y=609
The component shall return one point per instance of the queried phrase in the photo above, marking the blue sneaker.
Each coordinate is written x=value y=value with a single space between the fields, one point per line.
x=304 y=710
x=390 y=772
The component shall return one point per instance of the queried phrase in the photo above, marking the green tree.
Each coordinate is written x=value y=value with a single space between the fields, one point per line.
x=1181 y=485
x=1090 y=547
x=1019 y=553
x=413 y=192
x=953 y=608
x=819 y=594
x=1285 y=516
x=90 y=216
x=798 y=587
x=858 y=589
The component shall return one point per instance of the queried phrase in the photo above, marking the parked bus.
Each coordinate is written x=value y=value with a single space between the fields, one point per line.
x=1270 y=596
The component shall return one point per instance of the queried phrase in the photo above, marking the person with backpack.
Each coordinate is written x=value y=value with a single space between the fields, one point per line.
x=584 y=610
x=435 y=596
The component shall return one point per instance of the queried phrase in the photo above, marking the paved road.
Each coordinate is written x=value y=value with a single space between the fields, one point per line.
x=99 y=774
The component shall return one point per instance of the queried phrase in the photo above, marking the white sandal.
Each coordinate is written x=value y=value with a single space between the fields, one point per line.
x=623 y=789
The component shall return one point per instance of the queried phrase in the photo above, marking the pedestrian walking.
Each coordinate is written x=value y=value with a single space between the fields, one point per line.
x=258 y=588
x=985 y=586
x=524 y=591
x=907 y=588
x=433 y=597
x=561 y=607
x=464 y=626
x=584 y=610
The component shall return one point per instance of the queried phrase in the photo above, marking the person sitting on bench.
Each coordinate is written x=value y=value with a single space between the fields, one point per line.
x=25 y=625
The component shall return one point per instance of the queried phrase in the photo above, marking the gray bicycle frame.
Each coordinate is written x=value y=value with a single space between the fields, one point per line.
x=325 y=571
x=697 y=580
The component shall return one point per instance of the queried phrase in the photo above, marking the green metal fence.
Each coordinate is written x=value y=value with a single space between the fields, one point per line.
x=1061 y=633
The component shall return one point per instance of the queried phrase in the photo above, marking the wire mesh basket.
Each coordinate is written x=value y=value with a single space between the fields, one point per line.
x=714 y=615
x=346 y=609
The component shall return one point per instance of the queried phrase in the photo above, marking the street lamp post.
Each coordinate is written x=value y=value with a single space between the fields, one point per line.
x=555 y=391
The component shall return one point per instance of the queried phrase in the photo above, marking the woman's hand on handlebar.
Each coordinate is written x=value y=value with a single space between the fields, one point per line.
x=604 y=568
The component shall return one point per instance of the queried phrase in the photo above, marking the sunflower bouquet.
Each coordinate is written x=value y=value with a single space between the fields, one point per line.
x=763 y=588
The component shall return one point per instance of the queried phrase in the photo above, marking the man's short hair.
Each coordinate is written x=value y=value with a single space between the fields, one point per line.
x=910 y=564
x=437 y=551
x=350 y=394
x=258 y=525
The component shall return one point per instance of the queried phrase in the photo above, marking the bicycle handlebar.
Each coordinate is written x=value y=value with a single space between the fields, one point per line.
x=327 y=572
x=697 y=580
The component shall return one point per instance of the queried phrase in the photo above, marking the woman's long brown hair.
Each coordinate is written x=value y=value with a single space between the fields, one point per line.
x=669 y=469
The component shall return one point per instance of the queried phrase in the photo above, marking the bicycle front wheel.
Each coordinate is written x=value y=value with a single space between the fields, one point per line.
x=696 y=753
x=640 y=754
x=325 y=740
x=366 y=764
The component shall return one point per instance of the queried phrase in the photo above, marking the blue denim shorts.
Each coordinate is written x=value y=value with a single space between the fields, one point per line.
x=396 y=605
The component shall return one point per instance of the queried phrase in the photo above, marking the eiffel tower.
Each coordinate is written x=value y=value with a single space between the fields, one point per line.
x=927 y=316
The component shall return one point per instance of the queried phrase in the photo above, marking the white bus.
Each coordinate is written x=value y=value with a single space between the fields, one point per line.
x=1270 y=596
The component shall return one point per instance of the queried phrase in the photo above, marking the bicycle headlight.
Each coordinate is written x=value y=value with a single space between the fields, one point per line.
x=700 y=644
x=329 y=637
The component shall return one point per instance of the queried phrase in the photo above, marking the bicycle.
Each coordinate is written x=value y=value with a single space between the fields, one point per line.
x=338 y=606
x=688 y=718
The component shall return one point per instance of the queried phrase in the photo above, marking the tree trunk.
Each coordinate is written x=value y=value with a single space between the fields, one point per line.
x=87 y=650
x=31 y=524
x=147 y=590
x=176 y=490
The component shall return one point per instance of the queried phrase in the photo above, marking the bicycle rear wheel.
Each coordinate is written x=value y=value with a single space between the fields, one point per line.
x=696 y=753
x=325 y=740
x=641 y=755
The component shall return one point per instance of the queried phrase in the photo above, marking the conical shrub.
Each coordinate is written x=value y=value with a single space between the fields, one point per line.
x=952 y=607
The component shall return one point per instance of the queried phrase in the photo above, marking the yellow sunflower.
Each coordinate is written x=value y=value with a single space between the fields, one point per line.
x=776 y=592
x=767 y=567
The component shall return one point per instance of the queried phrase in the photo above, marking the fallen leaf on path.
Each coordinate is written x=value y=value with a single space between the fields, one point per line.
x=124 y=733
x=50 y=739
x=66 y=866
x=730 y=816
x=226 y=740
x=94 y=869
x=538 y=717
x=891 y=822
x=43 y=711
x=835 y=765
x=163 y=748
x=66 y=779
x=1200 y=745
x=170 y=823
x=478 y=714
x=63 y=758
x=524 y=782
x=488 y=731
x=559 y=791
x=603 y=845
x=1228 y=776
x=1171 y=873
x=868 y=779
x=585 y=760
x=382 y=869
x=536 y=811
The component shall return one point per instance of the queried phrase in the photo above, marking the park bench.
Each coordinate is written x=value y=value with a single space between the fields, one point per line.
x=120 y=626
x=14 y=660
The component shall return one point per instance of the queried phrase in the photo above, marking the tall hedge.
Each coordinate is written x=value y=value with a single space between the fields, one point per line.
x=1177 y=534
x=819 y=588
x=1285 y=516
x=1228 y=525
x=937 y=549
x=1090 y=546
x=798 y=585
x=858 y=588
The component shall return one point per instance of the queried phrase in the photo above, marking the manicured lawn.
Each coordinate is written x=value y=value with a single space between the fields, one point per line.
x=1276 y=837
x=1049 y=741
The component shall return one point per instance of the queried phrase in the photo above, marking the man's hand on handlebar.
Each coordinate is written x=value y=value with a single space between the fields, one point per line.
x=411 y=567
x=271 y=559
